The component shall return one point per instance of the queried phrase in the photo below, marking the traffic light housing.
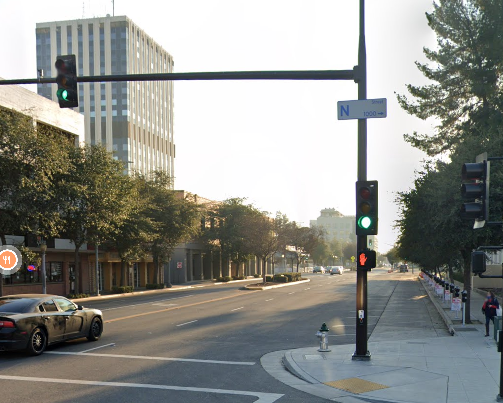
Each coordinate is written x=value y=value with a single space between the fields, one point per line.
x=477 y=190
x=366 y=259
x=478 y=262
x=67 y=81
x=366 y=207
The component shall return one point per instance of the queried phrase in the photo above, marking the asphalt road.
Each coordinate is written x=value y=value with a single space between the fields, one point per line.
x=197 y=345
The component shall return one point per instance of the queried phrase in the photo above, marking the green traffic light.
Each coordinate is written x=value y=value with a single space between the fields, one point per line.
x=364 y=222
x=62 y=94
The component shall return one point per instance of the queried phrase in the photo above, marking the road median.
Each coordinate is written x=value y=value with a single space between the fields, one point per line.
x=268 y=286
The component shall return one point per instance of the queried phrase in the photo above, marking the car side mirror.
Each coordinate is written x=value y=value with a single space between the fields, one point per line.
x=80 y=307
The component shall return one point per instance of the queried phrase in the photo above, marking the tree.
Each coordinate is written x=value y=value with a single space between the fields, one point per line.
x=230 y=230
x=32 y=161
x=432 y=232
x=465 y=92
x=466 y=98
x=392 y=256
x=173 y=218
x=263 y=239
x=94 y=196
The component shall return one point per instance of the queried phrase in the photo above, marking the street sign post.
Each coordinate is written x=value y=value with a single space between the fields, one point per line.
x=362 y=109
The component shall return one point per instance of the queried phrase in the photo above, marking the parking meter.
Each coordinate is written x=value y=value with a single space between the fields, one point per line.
x=456 y=292
x=451 y=286
x=464 y=296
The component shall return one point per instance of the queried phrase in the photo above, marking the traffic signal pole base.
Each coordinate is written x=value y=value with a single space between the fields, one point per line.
x=359 y=357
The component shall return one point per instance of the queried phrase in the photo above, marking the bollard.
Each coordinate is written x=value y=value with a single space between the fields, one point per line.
x=323 y=336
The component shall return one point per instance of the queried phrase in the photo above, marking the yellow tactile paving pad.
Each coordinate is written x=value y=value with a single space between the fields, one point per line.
x=356 y=385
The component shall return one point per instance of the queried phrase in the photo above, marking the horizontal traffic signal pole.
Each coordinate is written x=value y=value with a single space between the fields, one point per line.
x=208 y=76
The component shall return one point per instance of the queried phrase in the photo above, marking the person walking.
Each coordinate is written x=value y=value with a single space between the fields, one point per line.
x=489 y=308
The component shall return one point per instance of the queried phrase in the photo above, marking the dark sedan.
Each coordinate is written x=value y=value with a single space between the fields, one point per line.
x=31 y=322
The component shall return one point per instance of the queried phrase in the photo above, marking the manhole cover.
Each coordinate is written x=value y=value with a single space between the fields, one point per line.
x=356 y=385
x=465 y=329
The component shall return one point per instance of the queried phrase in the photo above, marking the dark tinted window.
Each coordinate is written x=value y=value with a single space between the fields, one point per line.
x=19 y=305
x=50 y=306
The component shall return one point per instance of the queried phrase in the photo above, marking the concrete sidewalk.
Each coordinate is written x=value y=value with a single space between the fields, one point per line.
x=414 y=358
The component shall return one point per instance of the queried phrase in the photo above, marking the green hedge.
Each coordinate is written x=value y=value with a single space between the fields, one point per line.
x=238 y=277
x=224 y=279
x=269 y=279
x=290 y=276
x=122 y=289
x=257 y=275
x=155 y=286
x=76 y=296
x=279 y=278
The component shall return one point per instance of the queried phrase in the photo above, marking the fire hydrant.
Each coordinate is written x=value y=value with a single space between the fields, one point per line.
x=323 y=336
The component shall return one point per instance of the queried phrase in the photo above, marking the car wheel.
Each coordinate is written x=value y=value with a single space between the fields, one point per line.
x=37 y=342
x=95 y=329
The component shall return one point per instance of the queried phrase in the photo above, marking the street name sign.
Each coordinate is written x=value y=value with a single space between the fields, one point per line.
x=362 y=109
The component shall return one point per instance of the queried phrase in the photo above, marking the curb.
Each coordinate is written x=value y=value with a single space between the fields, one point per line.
x=254 y=287
x=292 y=367
x=443 y=315
x=158 y=291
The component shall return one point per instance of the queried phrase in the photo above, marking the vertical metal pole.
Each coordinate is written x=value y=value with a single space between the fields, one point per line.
x=361 y=352
x=499 y=398
x=44 y=280
x=464 y=313
x=97 y=270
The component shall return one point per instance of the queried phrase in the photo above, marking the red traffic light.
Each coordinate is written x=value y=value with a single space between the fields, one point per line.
x=365 y=193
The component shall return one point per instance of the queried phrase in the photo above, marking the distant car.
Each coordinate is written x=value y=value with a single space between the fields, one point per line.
x=404 y=268
x=319 y=269
x=337 y=270
x=31 y=322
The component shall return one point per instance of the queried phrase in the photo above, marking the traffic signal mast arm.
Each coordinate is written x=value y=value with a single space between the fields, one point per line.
x=212 y=75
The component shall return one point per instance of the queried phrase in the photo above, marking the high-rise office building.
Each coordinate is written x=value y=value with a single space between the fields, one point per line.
x=133 y=119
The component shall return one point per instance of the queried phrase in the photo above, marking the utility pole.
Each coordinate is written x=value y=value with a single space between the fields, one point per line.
x=361 y=353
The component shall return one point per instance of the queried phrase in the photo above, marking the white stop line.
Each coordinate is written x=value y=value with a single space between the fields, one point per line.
x=262 y=397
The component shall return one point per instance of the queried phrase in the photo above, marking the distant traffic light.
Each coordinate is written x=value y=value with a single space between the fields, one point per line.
x=67 y=81
x=366 y=207
x=477 y=189
x=478 y=262
x=366 y=259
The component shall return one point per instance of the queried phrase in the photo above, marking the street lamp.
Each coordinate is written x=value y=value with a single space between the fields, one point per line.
x=43 y=249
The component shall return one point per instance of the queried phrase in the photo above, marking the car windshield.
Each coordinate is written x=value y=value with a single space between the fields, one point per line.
x=16 y=305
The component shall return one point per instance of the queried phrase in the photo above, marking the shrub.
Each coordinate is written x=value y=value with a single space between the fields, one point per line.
x=76 y=296
x=122 y=289
x=281 y=278
x=257 y=275
x=224 y=279
x=269 y=279
x=155 y=286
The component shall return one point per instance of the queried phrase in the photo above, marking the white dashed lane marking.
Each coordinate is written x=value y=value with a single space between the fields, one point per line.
x=186 y=323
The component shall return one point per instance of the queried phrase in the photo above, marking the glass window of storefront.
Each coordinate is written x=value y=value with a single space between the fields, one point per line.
x=33 y=274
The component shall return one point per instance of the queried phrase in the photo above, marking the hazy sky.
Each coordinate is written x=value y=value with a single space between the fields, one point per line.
x=279 y=144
